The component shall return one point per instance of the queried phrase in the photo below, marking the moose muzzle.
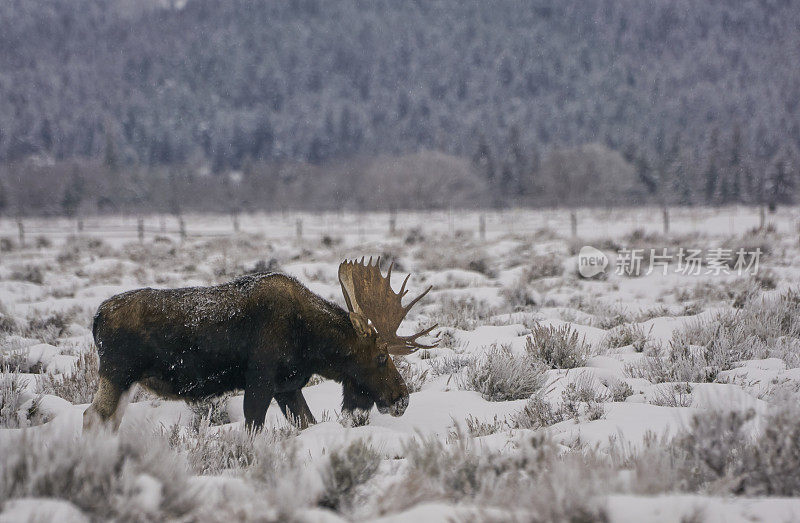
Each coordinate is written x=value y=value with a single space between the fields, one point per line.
x=396 y=409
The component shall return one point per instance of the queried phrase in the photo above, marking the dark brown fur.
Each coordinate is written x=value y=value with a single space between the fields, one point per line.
x=266 y=334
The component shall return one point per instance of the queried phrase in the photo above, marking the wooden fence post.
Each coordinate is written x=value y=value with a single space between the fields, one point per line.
x=573 y=222
x=140 y=229
x=482 y=227
x=182 y=227
x=21 y=232
x=451 y=226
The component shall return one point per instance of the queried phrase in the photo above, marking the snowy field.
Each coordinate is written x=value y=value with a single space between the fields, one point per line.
x=551 y=397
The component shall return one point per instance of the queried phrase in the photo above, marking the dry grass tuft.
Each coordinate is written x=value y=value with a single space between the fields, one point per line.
x=559 y=347
x=79 y=386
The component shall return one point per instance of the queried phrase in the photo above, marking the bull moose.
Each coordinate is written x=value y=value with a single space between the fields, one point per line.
x=264 y=333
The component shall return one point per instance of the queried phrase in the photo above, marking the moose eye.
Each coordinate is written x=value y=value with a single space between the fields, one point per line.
x=382 y=359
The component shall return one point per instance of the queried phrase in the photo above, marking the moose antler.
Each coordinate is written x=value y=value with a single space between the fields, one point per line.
x=368 y=293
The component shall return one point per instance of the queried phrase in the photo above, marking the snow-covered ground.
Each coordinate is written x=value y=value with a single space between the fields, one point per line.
x=600 y=379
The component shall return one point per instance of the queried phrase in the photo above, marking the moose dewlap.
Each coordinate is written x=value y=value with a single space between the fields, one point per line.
x=264 y=333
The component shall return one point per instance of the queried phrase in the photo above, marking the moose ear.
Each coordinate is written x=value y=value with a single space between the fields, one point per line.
x=360 y=324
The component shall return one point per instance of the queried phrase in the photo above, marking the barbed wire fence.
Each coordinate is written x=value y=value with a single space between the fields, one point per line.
x=360 y=227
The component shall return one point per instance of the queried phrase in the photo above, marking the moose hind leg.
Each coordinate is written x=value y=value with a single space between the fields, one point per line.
x=294 y=407
x=105 y=407
x=257 y=396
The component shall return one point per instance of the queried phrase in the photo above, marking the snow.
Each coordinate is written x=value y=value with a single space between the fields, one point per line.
x=442 y=513
x=441 y=404
x=41 y=509
x=455 y=278
x=482 y=338
x=670 y=508
x=41 y=353
x=626 y=423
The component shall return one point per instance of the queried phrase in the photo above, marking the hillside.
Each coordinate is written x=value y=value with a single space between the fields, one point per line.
x=693 y=90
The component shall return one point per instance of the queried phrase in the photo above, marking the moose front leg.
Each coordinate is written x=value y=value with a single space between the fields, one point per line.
x=355 y=397
x=356 y=403
x=258 y=394
x=294 y=407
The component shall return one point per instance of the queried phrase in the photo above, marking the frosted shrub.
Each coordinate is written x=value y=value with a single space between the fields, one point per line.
x=774 y=458
x=500 y=376
x=544 y=266
x=658 y=311
x=611 y=320
x=719 y=453
x=738 y=291
x=675 y=395
x=579 y=400
x=14 y=355
x=539 y=482
x=763 y=239
x=12 y=397
x=438 y=254
x=461 y=313
x=105 y=476
x=628 y=334
x=608 y=316
x=619 y=390
x=414 y=376
x=8 y=325
x=266 y=461
x=444 y=365
x=538 y=413
x=354 y=418
x=77 y=387
x=75 y=247
x=214 y=451
x=595 y=411
x=346 y=470
x=766 y=280
x=49 y=327
x=558 y=347
x=477 y=428
x=764 y=328
x=213 y=410
x=681 y=363
x=29 y=273
x=520 y=295
x=454 y=470
x=7 y=244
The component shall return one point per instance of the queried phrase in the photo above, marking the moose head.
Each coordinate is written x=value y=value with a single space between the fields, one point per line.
x=376 y=312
